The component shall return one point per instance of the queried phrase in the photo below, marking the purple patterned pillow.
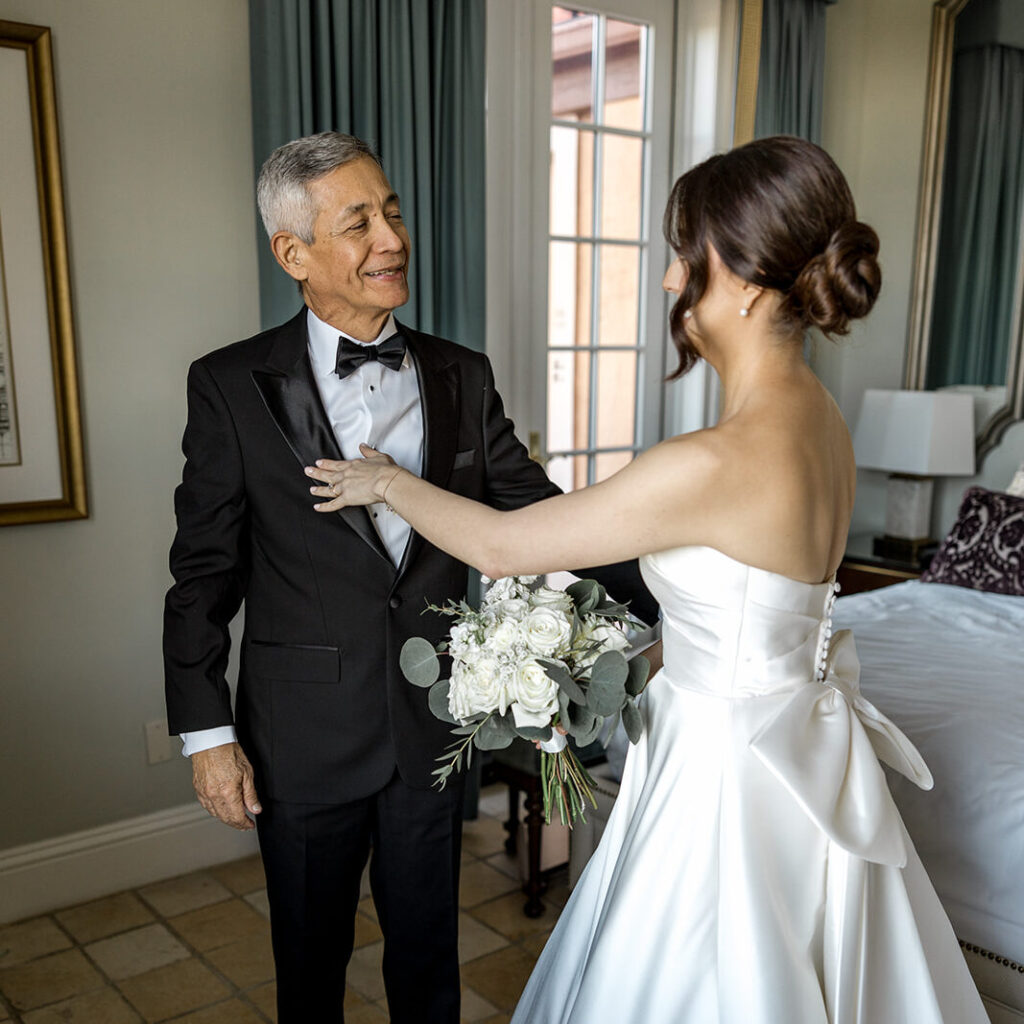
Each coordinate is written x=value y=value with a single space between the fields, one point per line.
x=985 y=548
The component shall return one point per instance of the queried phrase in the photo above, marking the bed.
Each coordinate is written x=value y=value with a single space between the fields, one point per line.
x=946 y=663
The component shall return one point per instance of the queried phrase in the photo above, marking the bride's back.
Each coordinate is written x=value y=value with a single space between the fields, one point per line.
x=768 y=247
x=785 y=482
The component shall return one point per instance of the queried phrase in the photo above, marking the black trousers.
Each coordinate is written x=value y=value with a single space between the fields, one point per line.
x=314 y=855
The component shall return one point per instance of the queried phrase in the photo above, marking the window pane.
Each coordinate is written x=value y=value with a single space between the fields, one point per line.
x=607 y=464
x=623 y=100
x=568 y=400
x=616 y=399
x=569 y=291
x=568 y=471
x=622 y=164
x=571 y=188
x=619 y=289
x=572 y=60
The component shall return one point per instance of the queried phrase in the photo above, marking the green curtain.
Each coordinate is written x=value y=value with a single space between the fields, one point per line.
x=980 y=219
x=791 y=69
x=408 y=77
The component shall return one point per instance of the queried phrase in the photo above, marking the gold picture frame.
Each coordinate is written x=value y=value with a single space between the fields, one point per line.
x=42 y=462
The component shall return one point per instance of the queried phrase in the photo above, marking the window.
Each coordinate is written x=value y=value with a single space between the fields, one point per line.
x=598 y=244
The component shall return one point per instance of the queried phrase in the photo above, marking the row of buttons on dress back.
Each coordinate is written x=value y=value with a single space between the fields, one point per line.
x=826 y=638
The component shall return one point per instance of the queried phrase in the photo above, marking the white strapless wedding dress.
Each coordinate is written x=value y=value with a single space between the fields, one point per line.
x=754 y=869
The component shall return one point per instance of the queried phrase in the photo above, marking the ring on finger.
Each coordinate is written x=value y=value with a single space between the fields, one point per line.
x=334 y=489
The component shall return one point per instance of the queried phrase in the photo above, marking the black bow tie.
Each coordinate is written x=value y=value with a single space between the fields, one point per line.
x=352 y=355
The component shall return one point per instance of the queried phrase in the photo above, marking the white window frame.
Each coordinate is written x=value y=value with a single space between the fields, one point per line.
x=700 y=86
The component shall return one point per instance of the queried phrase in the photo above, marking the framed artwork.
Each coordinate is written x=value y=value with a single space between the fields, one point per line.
x=42 y=466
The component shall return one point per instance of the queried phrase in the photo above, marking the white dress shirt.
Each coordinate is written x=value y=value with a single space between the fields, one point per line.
x=373 y=405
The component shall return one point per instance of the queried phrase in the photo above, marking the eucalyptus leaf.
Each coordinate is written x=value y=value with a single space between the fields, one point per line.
x=495 y=734
x=605 y=696
x=585 y=595
x=437 y=698
x=419 y=662
x=583 y=726
x=566 y=684
x=632 y=721
x=639 y=669
x=563 y=705
x=532 y=732
x=584 y=737
x=613 y=724
x=610 y=667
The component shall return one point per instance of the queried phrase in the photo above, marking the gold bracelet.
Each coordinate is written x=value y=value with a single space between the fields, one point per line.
x=384 y=496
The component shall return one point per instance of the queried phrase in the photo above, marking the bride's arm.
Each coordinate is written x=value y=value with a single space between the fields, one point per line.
x=659 y=500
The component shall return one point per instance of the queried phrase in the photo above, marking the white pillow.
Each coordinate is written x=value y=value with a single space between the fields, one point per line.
x=1017 y=483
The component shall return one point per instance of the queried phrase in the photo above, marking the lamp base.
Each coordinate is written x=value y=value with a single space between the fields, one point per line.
x=908 y=506
x=902 y=549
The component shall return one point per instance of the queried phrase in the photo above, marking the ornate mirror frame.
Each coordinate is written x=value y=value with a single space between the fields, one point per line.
x=929 y=204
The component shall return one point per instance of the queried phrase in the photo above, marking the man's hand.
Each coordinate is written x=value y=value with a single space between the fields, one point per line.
x=223 y=781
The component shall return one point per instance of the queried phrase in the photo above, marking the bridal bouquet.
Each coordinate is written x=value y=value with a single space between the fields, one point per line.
x=531 y=659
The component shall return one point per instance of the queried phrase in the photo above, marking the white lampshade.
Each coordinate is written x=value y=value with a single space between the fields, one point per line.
x=924 y=433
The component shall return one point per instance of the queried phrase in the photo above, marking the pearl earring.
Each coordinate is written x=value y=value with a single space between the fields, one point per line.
x=688 y=314
x=744 y=311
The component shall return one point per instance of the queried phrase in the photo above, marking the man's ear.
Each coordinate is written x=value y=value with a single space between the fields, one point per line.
x=290 y=252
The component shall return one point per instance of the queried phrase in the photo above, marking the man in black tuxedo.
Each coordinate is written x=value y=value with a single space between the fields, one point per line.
x=339 y=747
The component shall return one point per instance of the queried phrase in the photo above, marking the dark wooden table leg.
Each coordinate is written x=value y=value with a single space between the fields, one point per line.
x=512 y=825
x=534 y=823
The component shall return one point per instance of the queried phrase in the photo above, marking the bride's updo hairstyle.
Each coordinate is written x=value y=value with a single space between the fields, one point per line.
x=780 y=214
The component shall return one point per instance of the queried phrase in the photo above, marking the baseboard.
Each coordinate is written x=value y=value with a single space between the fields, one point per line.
x=61 y=872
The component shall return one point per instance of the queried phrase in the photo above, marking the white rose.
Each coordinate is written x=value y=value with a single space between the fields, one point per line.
x=503 y=636
x=510 y=608
x=546 y=597
x=533 y=694
x=478 y=686
x=610 y=638
x=546 y=630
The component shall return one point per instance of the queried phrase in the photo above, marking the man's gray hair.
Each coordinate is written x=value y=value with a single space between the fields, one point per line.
x=281 y=190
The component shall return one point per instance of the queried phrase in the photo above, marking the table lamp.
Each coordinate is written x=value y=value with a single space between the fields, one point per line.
x=915 y=436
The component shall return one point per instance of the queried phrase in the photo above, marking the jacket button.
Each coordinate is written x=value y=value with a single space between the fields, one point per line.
x=395 y=602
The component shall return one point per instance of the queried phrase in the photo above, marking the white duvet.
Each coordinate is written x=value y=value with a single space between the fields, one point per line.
x=946 y=664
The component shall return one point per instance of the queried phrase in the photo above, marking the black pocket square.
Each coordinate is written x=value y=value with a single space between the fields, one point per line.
x=463 y=459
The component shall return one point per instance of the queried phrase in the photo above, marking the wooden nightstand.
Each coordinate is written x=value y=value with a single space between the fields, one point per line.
x=861 y=569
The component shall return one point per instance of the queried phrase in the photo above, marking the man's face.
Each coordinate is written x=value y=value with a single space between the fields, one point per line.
x=354 y=272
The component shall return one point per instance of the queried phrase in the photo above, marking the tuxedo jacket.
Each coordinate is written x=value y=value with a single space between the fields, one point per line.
x=322 y=708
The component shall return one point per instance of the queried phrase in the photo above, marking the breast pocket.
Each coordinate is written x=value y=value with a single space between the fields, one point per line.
x=463 y=460
x=300 y=663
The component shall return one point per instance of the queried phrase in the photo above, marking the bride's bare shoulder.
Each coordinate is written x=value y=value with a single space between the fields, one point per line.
x=699 y=452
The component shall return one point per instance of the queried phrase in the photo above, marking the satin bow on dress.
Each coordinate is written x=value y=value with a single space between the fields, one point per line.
x=824 y=745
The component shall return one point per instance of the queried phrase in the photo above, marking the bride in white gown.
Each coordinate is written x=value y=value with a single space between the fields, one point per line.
x=755 y=869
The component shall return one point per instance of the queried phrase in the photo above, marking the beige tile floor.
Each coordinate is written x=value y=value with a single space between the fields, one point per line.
x=196 y=949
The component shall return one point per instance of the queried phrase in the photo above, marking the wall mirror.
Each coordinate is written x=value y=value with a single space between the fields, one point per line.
x=967 y=309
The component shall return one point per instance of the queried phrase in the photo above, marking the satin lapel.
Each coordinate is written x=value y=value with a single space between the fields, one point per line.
x=290 y=394
x=439 y=396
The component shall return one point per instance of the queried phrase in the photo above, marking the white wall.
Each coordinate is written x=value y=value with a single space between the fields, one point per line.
x=157 y=157
x=876 y=72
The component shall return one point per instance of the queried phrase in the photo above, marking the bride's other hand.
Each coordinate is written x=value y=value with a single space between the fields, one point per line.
x=359 y=482
x=561 y=730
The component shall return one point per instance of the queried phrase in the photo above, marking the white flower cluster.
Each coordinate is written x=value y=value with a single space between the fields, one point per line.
x=495 y=650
